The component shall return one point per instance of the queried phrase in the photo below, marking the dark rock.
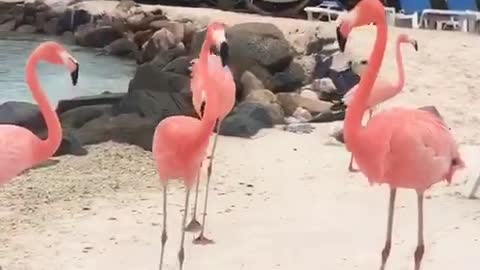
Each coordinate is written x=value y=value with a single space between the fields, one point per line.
x=78 y=116
x=141 y=37
x=106 y=98
x=250 y=83
x=68 y=37
x=5 y=18
x=124 y=128
x=155 y=105
x=26 y=29
x=70 y=144
x=161 y=41
x=96 y=36
x=40 y=20
x=176 y=28
x=139 y=22
x=66 y=23
x=179 y=65
x=269 y=100
x=7 y=26
x=51 y=27
x=151 y=76
x=246 y=120
x=288 y=80
x=122 y=47
x=259 y=44
x=260 y=48
x=27 y=115
x=22 y=114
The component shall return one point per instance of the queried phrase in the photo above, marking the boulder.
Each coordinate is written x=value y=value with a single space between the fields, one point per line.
x=22 y=114
x=70 y=144
x=291 y=101
x=269 y=100
x=51 y=27
x=246 y=120
x=105 y=98
x=122 y=47
x=161 y=41
x=249 y=83
x=27 y=115
x=67 y=22
x=26 y=29
x=176 y=28
x=141 y=37
x=78 y=116
x=155 y=104
x=124 y=128
x=260 y=48
x=140 y=22
x=99 y=37
x=151 y=76
x=289 y=80
x=180 y=65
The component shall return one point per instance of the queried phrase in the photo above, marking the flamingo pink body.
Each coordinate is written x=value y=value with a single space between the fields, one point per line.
x=404 y=148
x=21 y=149
x=180 y=144
x=383 y=90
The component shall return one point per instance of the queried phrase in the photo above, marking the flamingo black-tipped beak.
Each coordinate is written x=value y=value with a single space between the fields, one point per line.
x=342 y=41
x=224 y=54
x=415 y=45
x=74 y=74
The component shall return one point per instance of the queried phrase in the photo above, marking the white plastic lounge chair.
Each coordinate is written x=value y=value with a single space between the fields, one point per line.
x=331 y=9
x=470 y=155
x=456 y=18
x=412 y=17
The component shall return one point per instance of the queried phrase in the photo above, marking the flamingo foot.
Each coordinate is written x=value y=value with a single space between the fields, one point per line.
x=418 y=256
x=194 y=226
x=351 y=169
x=202 y=240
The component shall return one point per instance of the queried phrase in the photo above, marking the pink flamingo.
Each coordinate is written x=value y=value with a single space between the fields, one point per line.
x=180 y=144
x=215 y=36
x=383 y=90
x=404 y=148
x=21 y=149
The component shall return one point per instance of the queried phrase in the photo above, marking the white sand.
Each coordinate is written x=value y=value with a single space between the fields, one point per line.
x=303 y=210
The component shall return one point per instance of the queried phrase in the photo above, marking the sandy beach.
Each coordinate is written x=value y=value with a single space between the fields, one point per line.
x=280 y=201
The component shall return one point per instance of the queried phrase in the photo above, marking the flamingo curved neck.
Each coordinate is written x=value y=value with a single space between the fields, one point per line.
x=205 y=51
x=54 y=128
x=358 y=104
x=401 y=72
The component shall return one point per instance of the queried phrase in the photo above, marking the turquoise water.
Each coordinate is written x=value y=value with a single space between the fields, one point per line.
x=98 y=73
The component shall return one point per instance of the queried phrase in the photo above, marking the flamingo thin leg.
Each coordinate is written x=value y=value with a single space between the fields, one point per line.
x=350 y=165
x=164 y=232
x=181 y=251
x=194 y=225
x=201 y=239
x=420 y=244
x=388 y=241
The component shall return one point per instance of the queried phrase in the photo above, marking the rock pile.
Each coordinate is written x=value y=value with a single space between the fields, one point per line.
x=273 y=87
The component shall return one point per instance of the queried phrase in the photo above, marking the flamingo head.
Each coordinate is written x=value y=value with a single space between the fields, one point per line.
x=364 y=13
x=56 y=54
x=404 y=38
x=216 y=36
